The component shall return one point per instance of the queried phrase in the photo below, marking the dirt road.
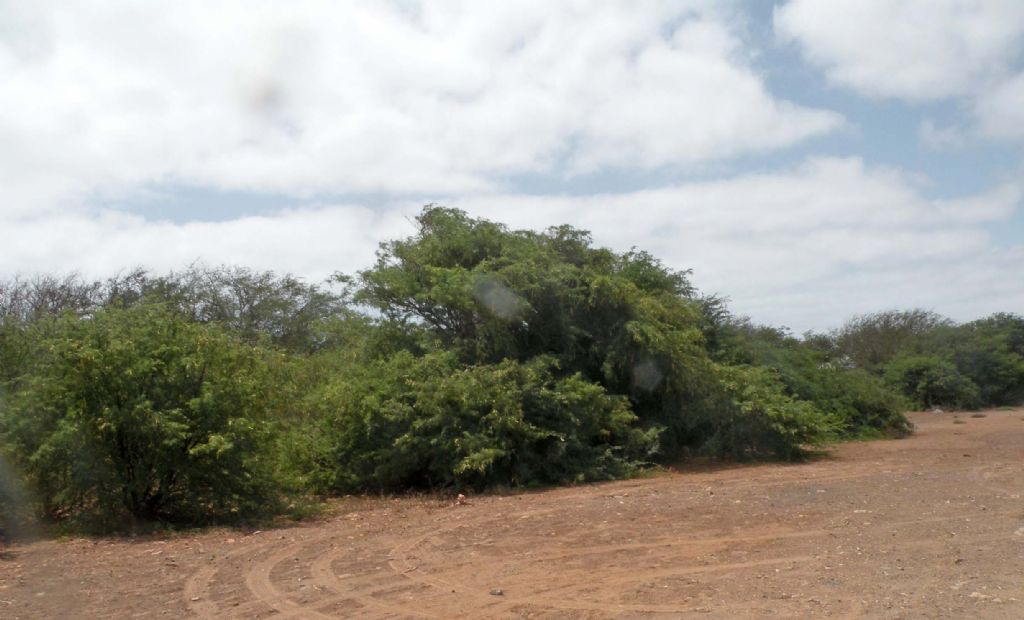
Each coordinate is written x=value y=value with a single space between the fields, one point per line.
x=927 y=527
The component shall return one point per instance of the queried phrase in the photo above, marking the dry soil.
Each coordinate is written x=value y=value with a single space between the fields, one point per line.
x=926 y=527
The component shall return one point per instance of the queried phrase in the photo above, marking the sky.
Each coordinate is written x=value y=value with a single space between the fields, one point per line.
x=808 y=160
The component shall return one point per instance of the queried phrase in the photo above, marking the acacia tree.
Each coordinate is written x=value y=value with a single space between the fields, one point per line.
x=622 y=321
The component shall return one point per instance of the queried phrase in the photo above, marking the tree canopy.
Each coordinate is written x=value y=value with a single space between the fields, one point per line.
x=468 y=355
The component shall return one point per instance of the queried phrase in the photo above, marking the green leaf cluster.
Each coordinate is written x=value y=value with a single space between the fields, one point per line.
x=139 y=413
x=410 y=421
x=469 y=355
x=935 y=362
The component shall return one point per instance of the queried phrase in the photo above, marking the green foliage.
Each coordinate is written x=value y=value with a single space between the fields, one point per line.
x=469 y=355
x=14 y=351
x=138 y=412
x=760 y=418
x=408 y=421
x=861 y=403
x=255 y=306
x=931 y=382
x=624 y=322
x=870 y=341
x=990 y=353
x=864 y=404
x=934 y=361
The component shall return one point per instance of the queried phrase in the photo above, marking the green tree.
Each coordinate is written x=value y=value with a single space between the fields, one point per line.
x=139 y=412
x=990 y=352
x=407 y=421
x=932 y=382
x=810 y=370
x=759 y=418
x=870 y=341
x=622 y=321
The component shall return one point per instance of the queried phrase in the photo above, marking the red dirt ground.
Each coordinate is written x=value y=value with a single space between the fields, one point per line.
x=926 y=527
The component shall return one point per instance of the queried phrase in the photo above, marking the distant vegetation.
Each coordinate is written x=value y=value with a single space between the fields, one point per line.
x=468 y=356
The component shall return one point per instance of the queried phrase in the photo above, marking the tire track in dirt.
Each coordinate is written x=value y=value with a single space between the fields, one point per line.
x=259 y=581
x=196 y=589
x=543 y=598
x=444 y=565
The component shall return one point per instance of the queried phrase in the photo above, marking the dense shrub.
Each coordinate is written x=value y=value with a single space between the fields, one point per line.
x=977 y=364
x=622 y=321
x=139 y=412
x=468 y=355
x=759 y=418
x=861 y=403
x=990 y=352
x=408 y=421
x=932 y=381
x=254 y=306
x=870 y=341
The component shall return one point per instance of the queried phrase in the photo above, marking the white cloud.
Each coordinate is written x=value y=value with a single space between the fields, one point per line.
x=312 y=242
x=910 y=49
x=919 y=51
x=419 y=101
x=316 y=96
x=804 y=247
x=1001 y=110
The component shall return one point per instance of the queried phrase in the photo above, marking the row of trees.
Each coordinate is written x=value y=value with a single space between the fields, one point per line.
x=469 y=355
x=935 y=362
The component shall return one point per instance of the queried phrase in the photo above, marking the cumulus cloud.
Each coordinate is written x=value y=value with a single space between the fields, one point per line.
x=453 y=101
x=801 y=247
x=918 y=51
x=912 y=49
x=318 y=96
x=312 y=242
x=1001 y=109
x=804 y=247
